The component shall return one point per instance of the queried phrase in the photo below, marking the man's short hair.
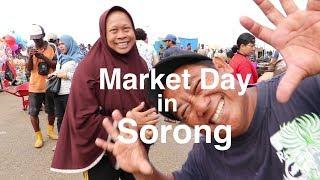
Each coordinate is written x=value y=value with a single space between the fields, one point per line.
x=245 y=38
x=140 y=34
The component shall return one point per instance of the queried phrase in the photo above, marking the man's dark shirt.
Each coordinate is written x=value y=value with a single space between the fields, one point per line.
x=265 y=152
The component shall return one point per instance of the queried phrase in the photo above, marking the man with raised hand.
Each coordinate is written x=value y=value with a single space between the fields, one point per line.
x=270 y=139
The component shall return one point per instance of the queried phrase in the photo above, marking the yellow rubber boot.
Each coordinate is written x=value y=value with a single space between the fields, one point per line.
x=51 y=133
x=39 y=140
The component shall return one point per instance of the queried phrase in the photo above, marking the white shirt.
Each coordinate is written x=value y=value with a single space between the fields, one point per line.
x=68 y=67
x=147 y=52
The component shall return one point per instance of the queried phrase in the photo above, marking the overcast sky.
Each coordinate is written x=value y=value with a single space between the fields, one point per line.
x=214 y=22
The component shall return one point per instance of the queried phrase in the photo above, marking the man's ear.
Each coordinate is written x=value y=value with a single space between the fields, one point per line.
x=221 y=65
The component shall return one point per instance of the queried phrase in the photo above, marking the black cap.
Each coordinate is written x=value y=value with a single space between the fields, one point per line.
x=167 y=66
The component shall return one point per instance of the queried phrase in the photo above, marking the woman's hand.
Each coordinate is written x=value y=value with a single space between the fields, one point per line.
x=143 y=117
x=62 y=75
x=52 y=74
x=296 y=36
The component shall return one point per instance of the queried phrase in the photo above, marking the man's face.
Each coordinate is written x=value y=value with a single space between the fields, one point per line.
x=120 y=34
x=168 y=43
x=38 y=42
x=248 y=49
x=198 y=106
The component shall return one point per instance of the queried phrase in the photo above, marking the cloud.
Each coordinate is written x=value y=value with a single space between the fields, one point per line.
x=212 y=21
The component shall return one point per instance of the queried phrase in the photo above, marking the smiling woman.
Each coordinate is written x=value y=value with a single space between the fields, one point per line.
x=120 y=34
x=87 y=105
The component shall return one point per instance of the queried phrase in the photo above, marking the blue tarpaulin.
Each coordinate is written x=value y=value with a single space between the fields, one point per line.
x=182 y=42
x=185 y=41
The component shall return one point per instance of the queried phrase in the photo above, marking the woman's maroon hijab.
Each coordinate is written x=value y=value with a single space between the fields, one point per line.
x=88 y=105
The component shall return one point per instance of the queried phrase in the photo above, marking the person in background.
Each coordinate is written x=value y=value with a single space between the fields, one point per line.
x=172 y=48
x=229 y=55
x=189 y=48
x=240 y=62
x=223 y=56
x=89 y=47
x=202 y=50
x=275 y=68
x=67 y=62
x=161 y=51
x=41 y=63
x=146 y=51
x=274 y=125
x=83 y=49
x=53 y=42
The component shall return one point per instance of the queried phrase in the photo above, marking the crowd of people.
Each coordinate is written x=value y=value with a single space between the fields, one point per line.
x=275 y=124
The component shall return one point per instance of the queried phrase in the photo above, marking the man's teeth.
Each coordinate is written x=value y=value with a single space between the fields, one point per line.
x=218 y=112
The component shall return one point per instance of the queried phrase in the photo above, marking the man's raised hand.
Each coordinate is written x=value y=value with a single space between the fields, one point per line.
x=296 y=36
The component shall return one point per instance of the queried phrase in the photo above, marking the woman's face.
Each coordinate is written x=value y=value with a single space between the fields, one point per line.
x=120 y=34
x=63 y=48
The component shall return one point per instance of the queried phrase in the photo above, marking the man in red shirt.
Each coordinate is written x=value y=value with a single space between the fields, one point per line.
x=240 y=62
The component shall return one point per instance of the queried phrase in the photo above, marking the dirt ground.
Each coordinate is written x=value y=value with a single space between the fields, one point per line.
x=20 y=160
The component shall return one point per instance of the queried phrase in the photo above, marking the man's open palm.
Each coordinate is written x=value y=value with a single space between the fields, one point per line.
x=296 y=36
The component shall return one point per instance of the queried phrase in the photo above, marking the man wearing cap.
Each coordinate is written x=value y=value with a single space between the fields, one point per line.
x=40 y=64
x=54 y=43
x=172 y=49
x=275 y=124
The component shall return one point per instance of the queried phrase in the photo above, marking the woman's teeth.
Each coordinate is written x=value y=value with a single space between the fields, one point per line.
x=123 y=44
x=218 y=113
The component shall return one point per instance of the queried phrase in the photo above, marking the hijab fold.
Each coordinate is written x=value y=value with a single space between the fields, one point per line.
x=88 y=105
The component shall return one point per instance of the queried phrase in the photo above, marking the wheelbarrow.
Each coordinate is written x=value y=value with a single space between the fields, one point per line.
x=19 y=91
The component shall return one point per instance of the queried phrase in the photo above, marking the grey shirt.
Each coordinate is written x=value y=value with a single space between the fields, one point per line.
x=173 y=51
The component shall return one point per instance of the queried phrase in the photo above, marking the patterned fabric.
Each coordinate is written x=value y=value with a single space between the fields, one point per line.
x=147 y=52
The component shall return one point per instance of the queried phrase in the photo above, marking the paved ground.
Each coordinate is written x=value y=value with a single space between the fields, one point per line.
x=19 y=160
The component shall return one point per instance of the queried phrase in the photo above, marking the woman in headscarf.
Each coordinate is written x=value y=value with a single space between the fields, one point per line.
x=68 y=60
x=88 y=105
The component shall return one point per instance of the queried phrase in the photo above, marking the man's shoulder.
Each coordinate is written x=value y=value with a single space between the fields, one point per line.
x=304 y=99
x=236 y=59
x=53 y=46
x=49 y=47
x=49 y=51
x=311 y=83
